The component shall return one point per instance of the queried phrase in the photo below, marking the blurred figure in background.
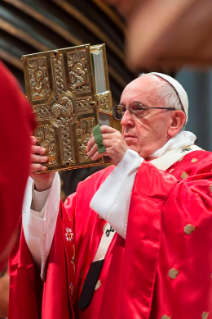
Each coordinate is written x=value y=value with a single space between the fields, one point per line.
x=16 y=124
x=158 y=33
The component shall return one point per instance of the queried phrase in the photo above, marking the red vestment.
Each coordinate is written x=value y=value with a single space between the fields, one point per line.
x=163 y=268
x=16 y=123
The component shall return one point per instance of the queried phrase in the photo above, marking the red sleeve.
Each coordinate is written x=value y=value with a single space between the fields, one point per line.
x=30 y=297
x=16 y=123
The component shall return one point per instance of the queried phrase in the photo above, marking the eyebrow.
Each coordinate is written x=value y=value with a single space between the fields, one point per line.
x=138 y=102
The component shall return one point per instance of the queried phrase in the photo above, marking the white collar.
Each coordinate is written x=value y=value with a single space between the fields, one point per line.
x=182 y=139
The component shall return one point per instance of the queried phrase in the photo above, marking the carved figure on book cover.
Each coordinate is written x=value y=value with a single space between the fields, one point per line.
x=62 y=108
x=39 y=82
x=63 y=112
x=78 y=70
x=83 y=130
x=46 y=138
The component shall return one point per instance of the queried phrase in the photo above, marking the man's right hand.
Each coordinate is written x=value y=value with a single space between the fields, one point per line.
x=42 y=181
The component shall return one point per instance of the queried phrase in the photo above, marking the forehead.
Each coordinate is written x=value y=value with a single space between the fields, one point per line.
x=143 y=89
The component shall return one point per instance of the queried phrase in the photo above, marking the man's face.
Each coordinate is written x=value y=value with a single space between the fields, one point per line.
x=148 y=133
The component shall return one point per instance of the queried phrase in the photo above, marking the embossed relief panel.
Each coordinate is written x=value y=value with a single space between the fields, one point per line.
x=39 y=85
x=61 y=87
x=105 y=102
x=80 y=71
x=83 y=131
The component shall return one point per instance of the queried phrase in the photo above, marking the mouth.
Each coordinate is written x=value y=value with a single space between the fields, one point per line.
x=129 y=139
x=129 y=136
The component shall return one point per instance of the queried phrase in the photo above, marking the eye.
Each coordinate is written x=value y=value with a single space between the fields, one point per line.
x=119 y=111
x=122 y=109
x=137 y=107
x=140 y=108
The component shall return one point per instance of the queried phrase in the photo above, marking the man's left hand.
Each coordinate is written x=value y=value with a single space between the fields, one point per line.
x=114 y=143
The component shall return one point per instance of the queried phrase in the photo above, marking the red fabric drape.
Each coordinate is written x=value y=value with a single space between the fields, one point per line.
x=16 y=123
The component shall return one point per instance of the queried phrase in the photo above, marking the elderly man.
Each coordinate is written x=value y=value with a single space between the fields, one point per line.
x=135 y=239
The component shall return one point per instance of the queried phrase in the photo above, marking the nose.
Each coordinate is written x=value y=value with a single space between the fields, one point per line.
x=127 y=119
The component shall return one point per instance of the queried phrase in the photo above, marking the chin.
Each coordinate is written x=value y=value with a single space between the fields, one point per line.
x=140 y=152
x=134 y=148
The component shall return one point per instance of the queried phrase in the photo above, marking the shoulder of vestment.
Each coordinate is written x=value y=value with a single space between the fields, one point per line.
x=194 y=163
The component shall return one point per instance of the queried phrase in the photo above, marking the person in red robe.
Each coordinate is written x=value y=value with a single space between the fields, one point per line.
x=16 y=124
x=134 y=241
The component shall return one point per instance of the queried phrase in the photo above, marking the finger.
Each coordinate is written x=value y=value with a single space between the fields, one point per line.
x=38 y=159
x=34 y=141
x=97 y=155
x=107 y=129
x=93 y=150
x=34 y=168
x=107 y=142
x=35 y=149
x=114 y=144
x=90 y=144
x=113 y=134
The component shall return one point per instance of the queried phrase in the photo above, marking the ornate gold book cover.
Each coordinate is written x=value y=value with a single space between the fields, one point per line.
x=69 y=91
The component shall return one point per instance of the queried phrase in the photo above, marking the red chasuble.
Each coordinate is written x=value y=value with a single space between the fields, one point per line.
x=163 y=268
x=16 y=123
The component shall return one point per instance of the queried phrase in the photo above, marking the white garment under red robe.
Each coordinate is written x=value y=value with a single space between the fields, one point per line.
x=162 y=270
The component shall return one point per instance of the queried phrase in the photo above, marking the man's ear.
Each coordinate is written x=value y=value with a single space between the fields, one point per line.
x=178 y=119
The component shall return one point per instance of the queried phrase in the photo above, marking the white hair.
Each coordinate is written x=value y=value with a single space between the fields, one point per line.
x=168 y=94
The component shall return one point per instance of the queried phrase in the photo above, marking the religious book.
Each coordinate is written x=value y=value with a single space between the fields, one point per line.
x=69 y=91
